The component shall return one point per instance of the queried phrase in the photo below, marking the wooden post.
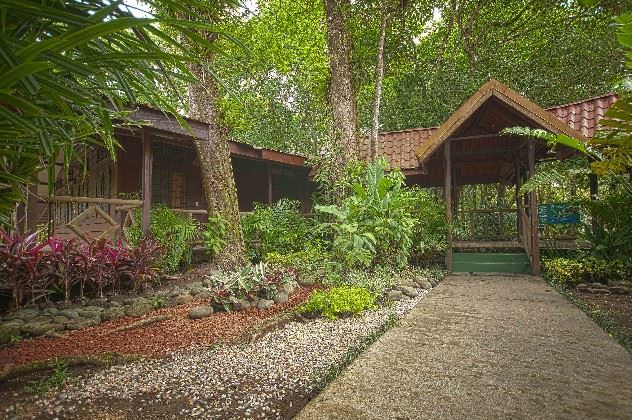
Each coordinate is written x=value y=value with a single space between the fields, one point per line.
x=518 y=197
x=533 y=214
x=148 y=157
x=447 y=196
x=594 y=191
x=269 y=174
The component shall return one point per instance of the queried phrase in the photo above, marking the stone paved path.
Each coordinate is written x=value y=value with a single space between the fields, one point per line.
x=486 y=347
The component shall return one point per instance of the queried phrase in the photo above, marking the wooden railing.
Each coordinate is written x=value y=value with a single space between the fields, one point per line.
x=89 y=217
x=486 y=224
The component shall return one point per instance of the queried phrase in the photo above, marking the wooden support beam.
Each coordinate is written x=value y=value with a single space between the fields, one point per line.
x=594 y=192
x=533 y=214
x=447 y=195
x=518 y=177
x=269 y=175
x=148 y=157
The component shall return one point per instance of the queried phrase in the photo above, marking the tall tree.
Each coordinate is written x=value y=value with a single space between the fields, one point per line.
x=379 y=75
x=214 y=155
x=342 y=94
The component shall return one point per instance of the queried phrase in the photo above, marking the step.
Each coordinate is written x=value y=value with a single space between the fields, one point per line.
x=489 y=257
x=491 y=263
x=514 y=268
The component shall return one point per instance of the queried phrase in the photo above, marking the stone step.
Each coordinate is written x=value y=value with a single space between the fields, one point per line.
x=491 y=263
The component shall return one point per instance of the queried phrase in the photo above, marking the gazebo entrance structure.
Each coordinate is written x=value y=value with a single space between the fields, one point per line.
x=469 y=149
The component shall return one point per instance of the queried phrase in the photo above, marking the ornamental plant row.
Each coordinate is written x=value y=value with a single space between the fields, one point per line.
x=32 y=270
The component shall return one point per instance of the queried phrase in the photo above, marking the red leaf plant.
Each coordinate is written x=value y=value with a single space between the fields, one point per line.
x=21 y=266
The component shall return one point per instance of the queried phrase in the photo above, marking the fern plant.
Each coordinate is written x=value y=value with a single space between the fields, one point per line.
x=175 y=232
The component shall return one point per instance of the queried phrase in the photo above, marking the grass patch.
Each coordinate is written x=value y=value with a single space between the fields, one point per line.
x=601 y=317
x=58 y=376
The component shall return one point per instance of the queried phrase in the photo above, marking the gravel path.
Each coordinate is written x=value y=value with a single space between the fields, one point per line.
x=486 y=347
x=271 y=378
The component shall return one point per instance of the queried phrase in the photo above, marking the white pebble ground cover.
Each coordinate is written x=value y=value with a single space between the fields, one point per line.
x=270 y=378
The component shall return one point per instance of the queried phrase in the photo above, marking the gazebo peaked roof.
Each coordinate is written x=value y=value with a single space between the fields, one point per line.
x=494 y=90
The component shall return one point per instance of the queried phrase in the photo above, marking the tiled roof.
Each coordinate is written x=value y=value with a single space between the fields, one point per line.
x=584 y=116
x=399 y=147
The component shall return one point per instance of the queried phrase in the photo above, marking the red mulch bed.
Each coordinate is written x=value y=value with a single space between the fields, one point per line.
x=152 y=340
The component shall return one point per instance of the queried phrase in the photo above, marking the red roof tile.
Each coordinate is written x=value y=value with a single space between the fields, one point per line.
x=584 y=116
x=399 y=147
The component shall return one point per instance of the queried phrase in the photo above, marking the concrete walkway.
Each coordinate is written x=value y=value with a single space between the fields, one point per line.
x=486 y=347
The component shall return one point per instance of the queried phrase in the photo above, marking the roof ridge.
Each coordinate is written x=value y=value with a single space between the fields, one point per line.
x=592 y=98
x=408 y=129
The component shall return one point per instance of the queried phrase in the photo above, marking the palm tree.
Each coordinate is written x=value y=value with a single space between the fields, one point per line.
x=70 y=70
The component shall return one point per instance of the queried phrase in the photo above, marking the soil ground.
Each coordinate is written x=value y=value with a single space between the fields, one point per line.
x=618 y=307
x=486 y=347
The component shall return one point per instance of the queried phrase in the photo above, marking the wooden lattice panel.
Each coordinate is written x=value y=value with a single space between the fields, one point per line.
x=93 y=223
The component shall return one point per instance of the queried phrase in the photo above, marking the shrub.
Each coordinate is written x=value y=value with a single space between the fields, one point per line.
x=26 y=266
x=62 y=264
x=21 y=263
x=376 y=281
x=174 y=231
x=214 y=234
x=340 y=301
x=278 y=228
x=568 y=271
x=142 y=262
x=374 y=225
x=256 y=281
x=311 y=263
x=431 y=227
x=612 y=238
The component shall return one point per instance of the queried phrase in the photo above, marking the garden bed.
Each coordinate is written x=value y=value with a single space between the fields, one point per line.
x=272 y=377
x=176 y=330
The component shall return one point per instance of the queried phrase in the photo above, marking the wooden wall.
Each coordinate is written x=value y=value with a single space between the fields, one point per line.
x=176 y=182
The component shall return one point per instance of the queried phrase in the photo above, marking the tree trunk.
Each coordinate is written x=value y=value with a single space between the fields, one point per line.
x=342 y=98
x=379 y=75
x=215 y=165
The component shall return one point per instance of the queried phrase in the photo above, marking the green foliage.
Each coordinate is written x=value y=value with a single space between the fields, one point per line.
x=374 y=225
x=436 y=57
x=376 y=281
x=612 y=238
x=214 y=234
x=313 y=264
x=611 y=146
x=59 y=376
x=278 y=228
x=259 y=280
x=431 y=226
x=157 y=302
x=339 y=301
x=280 y=83
x=566 y=271
x=174 y=231
x=71 y=69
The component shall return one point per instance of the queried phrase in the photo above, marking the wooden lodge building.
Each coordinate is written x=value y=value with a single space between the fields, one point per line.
x=467 y=149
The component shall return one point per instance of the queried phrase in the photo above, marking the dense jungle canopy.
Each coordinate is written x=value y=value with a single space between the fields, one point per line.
x=436 y=54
